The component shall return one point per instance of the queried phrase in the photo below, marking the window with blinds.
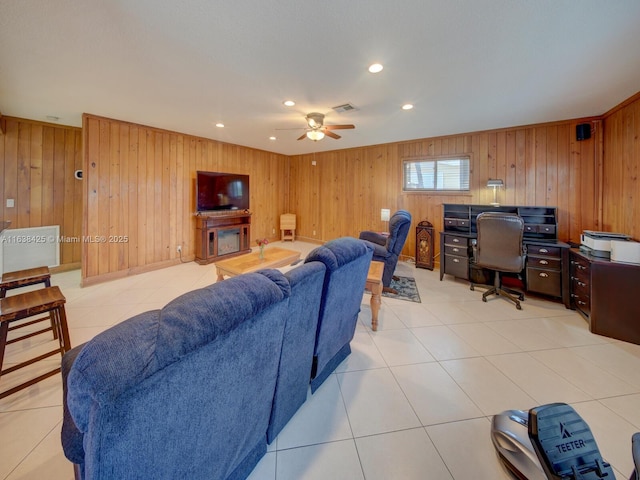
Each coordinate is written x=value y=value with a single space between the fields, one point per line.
x=439 y=174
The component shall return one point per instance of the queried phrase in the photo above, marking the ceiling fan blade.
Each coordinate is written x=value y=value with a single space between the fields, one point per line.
x=301 y=137
x=338 y=127
x=331 y=134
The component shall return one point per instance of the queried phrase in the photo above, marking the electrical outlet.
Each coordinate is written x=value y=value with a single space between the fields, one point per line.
x=314 y=232
x=179 y=249
x=273 y=231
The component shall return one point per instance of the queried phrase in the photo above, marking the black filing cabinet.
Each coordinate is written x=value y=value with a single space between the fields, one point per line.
x=544 y=269
x=456 y=255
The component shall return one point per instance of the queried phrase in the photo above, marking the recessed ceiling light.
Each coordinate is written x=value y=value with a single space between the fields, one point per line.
x=220 y=125
x=407 y=106
x=272 y=138
x=375 y=68
x=289 y=103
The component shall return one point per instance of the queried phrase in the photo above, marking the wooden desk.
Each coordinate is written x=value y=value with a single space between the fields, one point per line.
x=547 y=268
x=604 y=293
x=374 y=285
x=274 y=257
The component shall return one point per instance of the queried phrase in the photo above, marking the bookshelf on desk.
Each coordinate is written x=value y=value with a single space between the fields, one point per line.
x=547 y=266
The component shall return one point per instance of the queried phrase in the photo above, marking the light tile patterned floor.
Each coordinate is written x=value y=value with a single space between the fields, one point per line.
x=413 y=401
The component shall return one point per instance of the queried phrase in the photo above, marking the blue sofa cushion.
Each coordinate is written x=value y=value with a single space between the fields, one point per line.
x=347 y=261
x=298 y=344
x=185 y=392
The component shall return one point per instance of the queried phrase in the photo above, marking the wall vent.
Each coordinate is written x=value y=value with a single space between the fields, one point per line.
x=22 y=248
x=346 y=107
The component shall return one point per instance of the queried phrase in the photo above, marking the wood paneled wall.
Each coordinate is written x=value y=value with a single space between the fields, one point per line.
x=343 y=193
x=140 y=183
x=37 y=165
x=139 y=194
x=621 y=185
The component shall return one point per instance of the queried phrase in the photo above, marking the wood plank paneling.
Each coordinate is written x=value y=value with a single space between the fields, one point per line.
x=621 y=167
x=37 y=165
x=140 y=194
x=540 y=165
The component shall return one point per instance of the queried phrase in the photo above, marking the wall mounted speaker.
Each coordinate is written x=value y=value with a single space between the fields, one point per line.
x=78 y=174
x=583 y=131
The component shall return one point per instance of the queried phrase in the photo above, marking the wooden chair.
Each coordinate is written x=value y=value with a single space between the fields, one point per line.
x=288 y=227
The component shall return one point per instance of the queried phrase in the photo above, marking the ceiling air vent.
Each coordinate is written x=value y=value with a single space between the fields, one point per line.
x=347 y=107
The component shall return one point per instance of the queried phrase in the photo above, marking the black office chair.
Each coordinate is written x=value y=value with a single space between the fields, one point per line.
x=500 y=248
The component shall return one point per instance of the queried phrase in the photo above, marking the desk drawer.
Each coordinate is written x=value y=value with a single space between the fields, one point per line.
x=548 y=282
x=579 y=287
x=457 y=266
x=543 y=250
x=534 y=228
x=456 y=240
x=582 y=303
x=461 y=250
x=457 y=223
x=544 y=262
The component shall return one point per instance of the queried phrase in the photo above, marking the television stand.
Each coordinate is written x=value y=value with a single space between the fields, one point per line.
x=222 y=235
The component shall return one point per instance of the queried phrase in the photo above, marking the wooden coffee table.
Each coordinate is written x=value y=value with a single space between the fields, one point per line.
x=374 y=285
x=274 y=257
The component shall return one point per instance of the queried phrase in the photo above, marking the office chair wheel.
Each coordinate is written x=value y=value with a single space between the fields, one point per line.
x=484 y=299
x=518 y=306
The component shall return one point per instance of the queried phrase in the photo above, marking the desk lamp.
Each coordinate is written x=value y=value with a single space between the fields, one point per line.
x=495 y=184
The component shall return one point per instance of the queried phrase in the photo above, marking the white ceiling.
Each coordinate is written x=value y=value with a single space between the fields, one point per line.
x=184 y=65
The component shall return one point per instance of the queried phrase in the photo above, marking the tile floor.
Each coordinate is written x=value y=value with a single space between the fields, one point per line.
x=413 y=401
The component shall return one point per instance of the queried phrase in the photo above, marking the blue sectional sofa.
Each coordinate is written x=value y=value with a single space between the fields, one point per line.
x=347 y=261
x=197 y=389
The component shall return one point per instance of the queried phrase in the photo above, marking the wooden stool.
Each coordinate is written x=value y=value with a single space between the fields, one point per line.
x=24 y=278
x=24 y=305
x=288 y=227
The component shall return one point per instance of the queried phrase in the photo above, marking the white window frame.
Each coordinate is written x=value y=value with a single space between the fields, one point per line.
x=442 y=173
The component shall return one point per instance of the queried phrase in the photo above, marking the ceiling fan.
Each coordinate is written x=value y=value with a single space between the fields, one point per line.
x=317 y=130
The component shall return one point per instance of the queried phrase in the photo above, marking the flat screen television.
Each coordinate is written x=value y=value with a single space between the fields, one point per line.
x=221 y=191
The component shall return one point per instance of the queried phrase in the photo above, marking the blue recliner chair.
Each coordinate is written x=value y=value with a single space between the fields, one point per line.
x=347 y=261
x=387 y=248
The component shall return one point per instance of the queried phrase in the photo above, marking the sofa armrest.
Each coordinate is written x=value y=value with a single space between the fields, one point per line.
x=71 y=437
x=374 y=237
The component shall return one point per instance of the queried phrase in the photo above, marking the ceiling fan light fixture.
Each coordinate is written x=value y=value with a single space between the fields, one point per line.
x=315 y=135
x=315 y=120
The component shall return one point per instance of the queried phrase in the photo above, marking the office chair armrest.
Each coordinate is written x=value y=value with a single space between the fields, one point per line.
x=374 y=237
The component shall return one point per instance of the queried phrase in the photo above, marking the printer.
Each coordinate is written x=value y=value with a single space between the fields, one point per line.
x=598 y=244
x=616 y=246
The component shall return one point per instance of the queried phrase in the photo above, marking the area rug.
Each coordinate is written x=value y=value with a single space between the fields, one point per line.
x=407 y=290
